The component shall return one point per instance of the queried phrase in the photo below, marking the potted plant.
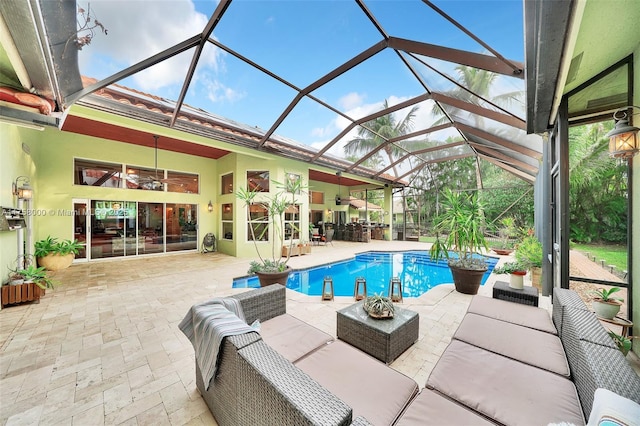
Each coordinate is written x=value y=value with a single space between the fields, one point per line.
x=516 y=271
x=529 y=253
x=379 y=306
x=462 y=220
x=604 y=304
x=507 y=233
x=274 y=269
x=55 y=255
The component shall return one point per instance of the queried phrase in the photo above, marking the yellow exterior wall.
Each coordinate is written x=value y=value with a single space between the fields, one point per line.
x=15 y=162
x=54 y=188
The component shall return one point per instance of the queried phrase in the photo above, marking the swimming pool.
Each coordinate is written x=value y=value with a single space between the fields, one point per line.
x=414 y=268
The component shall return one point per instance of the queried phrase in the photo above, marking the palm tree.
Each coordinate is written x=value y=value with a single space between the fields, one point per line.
x=378 y=131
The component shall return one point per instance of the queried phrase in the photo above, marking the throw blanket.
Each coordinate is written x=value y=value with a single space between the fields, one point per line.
x=206 y=324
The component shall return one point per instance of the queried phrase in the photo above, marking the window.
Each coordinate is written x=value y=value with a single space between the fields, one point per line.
x=227 y=221
x=293 y=181
x=226 y=186
x=258 y=181
x=292 y=222
x=94 y=173
x=258 y=226
x=146 y=179
x=316 y=197
x=182 y=182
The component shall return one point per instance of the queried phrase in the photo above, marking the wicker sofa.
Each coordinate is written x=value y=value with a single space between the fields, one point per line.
x=513 y=364
x=293 y=373
x=506 y=364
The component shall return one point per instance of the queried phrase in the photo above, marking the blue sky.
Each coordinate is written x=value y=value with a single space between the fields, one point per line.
x=300 y=41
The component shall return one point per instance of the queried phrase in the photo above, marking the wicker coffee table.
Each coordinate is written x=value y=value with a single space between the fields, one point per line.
x=384 y=339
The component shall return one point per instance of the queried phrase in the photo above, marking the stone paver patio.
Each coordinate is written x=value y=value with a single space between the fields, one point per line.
x=104 y=347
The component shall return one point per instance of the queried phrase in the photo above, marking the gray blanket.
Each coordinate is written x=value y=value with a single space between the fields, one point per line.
x=206 y=324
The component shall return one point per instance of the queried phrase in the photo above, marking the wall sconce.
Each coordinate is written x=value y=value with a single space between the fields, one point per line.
x=24 y=192
x=210 y=207
x=624 y=141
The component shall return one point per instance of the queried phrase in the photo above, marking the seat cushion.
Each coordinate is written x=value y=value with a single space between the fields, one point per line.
x=429 y=407
x=515 y=313
x=509 y=391
x=533 y=347
x=292 y=338
x=372 y=389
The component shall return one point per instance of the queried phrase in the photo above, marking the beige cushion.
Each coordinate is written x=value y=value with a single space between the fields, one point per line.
x=373 y=390
x=508 y=391
x=291 y=337
x=515 y=313
x=429 y=407
x=533 y=347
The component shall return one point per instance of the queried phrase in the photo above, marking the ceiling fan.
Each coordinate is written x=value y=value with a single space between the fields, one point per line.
x=156 y=180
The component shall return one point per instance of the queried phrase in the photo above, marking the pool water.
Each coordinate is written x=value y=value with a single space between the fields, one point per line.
x=415 y=269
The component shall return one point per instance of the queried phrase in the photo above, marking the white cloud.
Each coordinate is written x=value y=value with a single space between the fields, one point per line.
x=351 y=100
x=147 y=28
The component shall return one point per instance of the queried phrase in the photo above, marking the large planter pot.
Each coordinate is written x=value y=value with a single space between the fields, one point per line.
x=56 y=262
x=516 y=279
x=268 y=278
x=467 y=281
x=502 y=252
x=536 y=277
x=606 y=310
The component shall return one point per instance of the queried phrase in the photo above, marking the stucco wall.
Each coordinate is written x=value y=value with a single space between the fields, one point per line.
x=15 y=162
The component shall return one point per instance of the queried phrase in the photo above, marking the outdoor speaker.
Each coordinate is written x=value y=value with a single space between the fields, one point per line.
x=338 y=200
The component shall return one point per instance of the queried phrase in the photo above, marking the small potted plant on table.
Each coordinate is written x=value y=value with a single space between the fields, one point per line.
x=516 y=271
x=379 y=306
x=604 y=304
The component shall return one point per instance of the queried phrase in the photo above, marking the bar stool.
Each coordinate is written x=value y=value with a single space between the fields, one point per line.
x=327 y=288
x=395 y=289
x=360 y=289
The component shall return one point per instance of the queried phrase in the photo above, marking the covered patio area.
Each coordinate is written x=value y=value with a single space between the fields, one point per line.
x=104 y=346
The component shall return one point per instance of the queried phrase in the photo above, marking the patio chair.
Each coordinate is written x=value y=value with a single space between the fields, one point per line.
x=328 y=237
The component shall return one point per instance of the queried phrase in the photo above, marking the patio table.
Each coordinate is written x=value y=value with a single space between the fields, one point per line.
x=384 y=339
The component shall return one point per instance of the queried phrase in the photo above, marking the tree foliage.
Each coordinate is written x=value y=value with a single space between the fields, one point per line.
x=597 y=187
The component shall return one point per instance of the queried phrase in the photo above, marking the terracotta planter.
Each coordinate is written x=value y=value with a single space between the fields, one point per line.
x=502 y=252
x=268 y=278
x=606 y=310
x=467 y=281
x=56 y=262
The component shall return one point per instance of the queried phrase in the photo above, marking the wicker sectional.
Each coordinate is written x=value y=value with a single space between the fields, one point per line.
x=524 y=370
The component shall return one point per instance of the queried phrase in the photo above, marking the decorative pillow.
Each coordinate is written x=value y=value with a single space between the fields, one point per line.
x=611 y=409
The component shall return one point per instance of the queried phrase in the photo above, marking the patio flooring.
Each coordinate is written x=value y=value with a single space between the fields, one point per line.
x=104 y=347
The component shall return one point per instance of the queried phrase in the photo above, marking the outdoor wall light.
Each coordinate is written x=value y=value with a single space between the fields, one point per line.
x=24 y=192
x=624 y=141
x=210 y=207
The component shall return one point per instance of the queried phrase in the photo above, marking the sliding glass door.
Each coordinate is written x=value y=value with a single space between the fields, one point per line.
x=129 y=228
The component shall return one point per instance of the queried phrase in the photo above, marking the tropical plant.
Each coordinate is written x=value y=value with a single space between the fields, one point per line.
x=378 y=132
x=529 y=251
x=510 y=268
x=507 y=233
x=462 y=220
x=51 y=245
x=37 y=275
x=605 y=295
x=379 y=305
x=598 y=201
x=622 y=342
x=275 y=206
